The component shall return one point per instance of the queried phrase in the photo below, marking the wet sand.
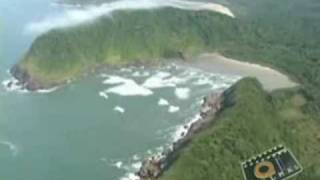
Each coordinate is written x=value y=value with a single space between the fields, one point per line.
x=216 y=63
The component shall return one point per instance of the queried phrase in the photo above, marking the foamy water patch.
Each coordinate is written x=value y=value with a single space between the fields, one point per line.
x=163 y=102
x=13 y=85
x=130 y=176
x=12 y=147
x=140 y=74
x=182 y=93
x=103 y=94
x=46 y=91
x=161 y=80
x=119 y=109
x=181 y=130
x=173 y=109
x=74 y=15
x=126 y=87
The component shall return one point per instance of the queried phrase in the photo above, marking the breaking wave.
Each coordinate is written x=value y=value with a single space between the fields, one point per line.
x=12 y=147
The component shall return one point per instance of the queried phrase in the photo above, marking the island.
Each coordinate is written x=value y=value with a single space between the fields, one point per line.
x=279 y=34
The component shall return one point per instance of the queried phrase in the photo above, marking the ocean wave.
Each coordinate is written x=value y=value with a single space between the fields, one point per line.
x=163 y=102
x=161 y=80
x=126 y=87
x=173 y=109
x=135 y=157
x=130 y=176
x=75 y=15
x=140 y=74
x=12 y=85
x=103 y=94
x=12 y=147
x=119 y=109
x=46 y=91
x=182 y=93
x=118 y=164
x=181 y=130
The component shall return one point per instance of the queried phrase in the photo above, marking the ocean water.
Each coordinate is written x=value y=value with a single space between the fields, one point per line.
x=99 y=128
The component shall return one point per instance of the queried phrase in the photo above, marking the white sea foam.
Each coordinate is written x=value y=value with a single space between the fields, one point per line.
x=117 y=164
x=46 y=91
x=12 y=84
x=14 y=87
x=75 y=16
x=130 y=176
x=136 y=166
x=149 y=152
x=203 y=81
x=103 y=75
x=182 y=93
x=115 y=80
x=125 y=69
x=163 y=102
x=140 y=74
x=135 y=157
x=12 y=147
x=119 y=109
x=103 y=94
x=127 y=87
x=182 y=130
x=173 y=109
x=160 y=80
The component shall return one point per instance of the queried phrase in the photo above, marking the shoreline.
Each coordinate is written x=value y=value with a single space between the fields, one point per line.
x=270 y=78
x=154 y=166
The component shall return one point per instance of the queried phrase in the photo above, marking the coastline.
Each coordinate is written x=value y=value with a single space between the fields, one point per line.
x=271 y=79
x=154 y=166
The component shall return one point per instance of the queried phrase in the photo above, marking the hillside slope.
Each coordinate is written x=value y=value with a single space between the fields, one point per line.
x=251 y=122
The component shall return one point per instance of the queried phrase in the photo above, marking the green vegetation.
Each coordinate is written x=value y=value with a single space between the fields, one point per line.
x=251 y=122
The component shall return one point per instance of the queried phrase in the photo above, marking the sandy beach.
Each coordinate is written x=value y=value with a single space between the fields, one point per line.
x=216 y=63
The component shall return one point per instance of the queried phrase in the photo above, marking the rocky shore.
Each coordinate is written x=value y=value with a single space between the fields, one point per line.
x=153 y=167
x=24 y=80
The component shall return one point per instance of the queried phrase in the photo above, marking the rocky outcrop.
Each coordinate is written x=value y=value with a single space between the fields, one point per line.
x=26 y=81
x=153 y=167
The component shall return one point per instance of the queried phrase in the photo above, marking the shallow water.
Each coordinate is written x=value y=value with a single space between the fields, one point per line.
x=97 y=128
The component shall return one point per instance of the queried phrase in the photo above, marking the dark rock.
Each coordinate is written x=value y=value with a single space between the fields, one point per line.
x=26 y=81
x=153 y=168
x=9 y=85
